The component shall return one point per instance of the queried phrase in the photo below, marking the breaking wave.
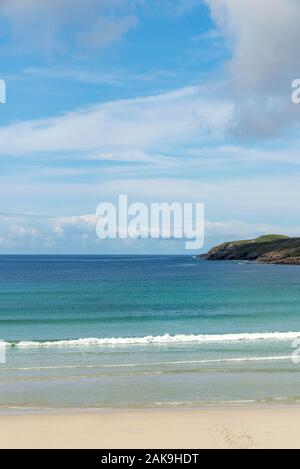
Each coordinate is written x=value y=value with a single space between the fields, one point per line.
x=159 y=339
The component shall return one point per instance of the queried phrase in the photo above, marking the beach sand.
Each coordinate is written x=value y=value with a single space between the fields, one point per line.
x=272 y=427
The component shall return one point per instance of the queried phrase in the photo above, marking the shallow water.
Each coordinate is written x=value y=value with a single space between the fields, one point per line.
x=156 y=330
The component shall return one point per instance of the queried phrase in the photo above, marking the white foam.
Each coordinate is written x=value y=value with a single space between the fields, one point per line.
x=162 y=339
x=4 y=344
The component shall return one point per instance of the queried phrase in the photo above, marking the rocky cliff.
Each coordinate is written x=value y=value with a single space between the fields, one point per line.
x=270 y=249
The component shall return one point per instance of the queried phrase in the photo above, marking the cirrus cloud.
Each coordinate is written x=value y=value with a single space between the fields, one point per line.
x=137 y=124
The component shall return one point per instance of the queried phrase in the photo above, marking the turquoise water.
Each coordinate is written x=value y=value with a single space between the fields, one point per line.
x=142 y=331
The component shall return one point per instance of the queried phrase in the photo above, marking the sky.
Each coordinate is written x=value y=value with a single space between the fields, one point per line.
x=163 y=100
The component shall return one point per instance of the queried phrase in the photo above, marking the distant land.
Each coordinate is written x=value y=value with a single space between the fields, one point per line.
x=268 y=249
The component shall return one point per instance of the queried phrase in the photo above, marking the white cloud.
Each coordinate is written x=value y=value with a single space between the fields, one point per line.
x=237 y=229
x=64 y=26
x=261 y=198
x=87 y=23
x=171 y=7
x=264 y=37
x=135 y=124
x=210 y=35
x=25 y=233
x=38 y=233
x=82 y=75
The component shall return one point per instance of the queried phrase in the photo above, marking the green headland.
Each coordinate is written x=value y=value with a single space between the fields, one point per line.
x=270 y=249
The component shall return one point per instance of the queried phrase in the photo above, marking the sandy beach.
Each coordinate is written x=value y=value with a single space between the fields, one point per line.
x=192 y=428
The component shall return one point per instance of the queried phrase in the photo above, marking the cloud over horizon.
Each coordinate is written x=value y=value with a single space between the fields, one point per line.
x=40 y=234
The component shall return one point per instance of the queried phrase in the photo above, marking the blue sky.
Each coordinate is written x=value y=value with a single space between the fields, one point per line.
x=182 y=100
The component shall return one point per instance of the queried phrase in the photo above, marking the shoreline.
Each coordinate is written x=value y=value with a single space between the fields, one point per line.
x=238 y=404
x=274 y=426
x=222 y=405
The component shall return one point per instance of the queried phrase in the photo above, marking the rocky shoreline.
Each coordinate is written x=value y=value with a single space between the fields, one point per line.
x=269 y=249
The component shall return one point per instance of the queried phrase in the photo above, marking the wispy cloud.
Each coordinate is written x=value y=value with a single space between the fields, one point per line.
x=114 y=78
x=67 y=26
x=64 y=26
x=128 y=124
x=210 y=35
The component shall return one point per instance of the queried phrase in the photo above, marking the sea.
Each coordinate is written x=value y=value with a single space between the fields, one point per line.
x=147 y=332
